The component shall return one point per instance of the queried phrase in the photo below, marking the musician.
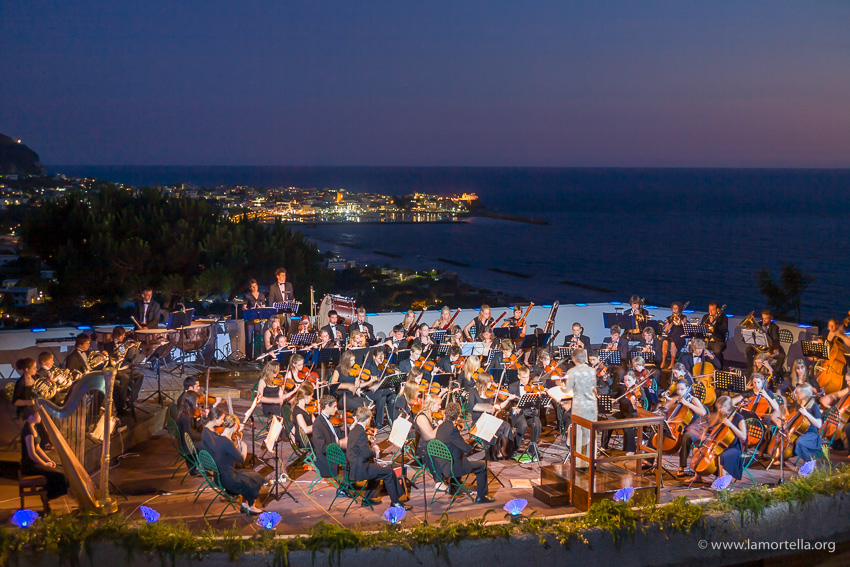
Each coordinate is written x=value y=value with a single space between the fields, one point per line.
x=324 y=434
x=674 y=329
x=78 y=359
x=23 y=397
x=480 y=402
x=759 y=388
x=456 y=336
x=280 y=344
x=578 y=339
x=718 y=330
x=834 y=334
x=517 y=320
x=45 y=365
x=645 y=376
x=808 y=444
x=335 y=328
x=630 y=398
x=363 y=326
x=604 y=380
x=799 y=375
x=426 y=425
x=402 y=407
x=361 y=455
x=381 y=398
x=650 y=346
x=762 y=365
x=621 y=345
x=415 y=356
x=254 y=298
x=34 y=461
x=563 y=398
x=444 y=322
x=774 y=345
x=450 y=364
x=539 y=370
x=351 y=381
x=270 y=396
x=302 y=420
x=397 y=341
x=189 y=421
x=303 y=327
x=128 y=383
x=504 y=357
x=522 y=419
x=148 y=312
x=730 y=458
x=698 y=356
x=835 y=398
x=271 y=332
x=357 y=344
x=482 y=320
x=190 y=384
x=423 y=339
x=693 y=430
x=448 y=433
x=281 y=290
x=409 y=325
x=637 y=311
x=487 y=339
x=581 y=379
x=469 y=373
x=226 y=453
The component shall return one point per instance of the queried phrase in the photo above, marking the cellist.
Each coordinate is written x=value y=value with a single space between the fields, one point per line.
x=758 y=388
x=831 y=399
x=694 y=430
x=730 y=458
x=809 y=443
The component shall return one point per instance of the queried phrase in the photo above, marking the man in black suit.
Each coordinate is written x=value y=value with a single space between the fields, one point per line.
x=78 y=359
x=523 y=419
x=698 y=356
x=148 y=312
x=335 y=329
x=361 y=325
x=621 y=345
x=718 y=330
x=324 y=434
x=280 y=290
x=650 y=346
x=361 y=455
x=128 y=382
x=450 y=436
x=578 y=339
x=774 y=346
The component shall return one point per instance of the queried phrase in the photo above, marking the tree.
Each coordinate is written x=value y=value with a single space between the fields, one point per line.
x=784 y=297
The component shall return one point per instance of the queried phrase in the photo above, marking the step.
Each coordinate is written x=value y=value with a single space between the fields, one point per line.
x=552 y=495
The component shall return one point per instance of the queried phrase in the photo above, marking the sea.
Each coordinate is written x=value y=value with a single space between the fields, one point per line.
x=667 y=235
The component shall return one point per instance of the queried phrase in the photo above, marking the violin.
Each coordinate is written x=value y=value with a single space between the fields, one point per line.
x=511 y=363
x=425 y=365
x=554 y=371
x=457 y=365
x=336 y=419
x=312 y=406
x=360 y=372
x=532 y=388
x=306 y=374
x=288 y=383
x=388 y=368
x=206 y=400
x=236 y=436
x=601 y=370
x=429 y=386
x=492 y=392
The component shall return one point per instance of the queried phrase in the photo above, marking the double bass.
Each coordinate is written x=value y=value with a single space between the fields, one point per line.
x=831 y=375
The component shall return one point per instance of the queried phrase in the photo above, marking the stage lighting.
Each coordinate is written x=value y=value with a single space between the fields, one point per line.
x=394 y=514
x=516 y=506
x=269 y=520
x=24 y=518
x=624 y=494
x=808 y=468
x=150 y=514
x=722 y=483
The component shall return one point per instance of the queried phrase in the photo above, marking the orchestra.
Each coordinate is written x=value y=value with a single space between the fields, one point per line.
x=418 y=373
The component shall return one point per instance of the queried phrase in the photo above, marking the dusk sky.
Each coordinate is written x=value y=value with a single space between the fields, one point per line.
x=478 y=83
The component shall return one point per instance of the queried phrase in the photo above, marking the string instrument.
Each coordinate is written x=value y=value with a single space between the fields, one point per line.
x=308 y=375
x=843 y=408
x=532 y=388
x=386 y=367
x=370 y=434
x=721 y=438
x=457 y=365
x=312 y=406
x=336 y=419
x=757 y=405
x=286 y=383
x=678 y=418
x=448 y=325
x=796 y=425
x=429 y=386
x=704 y=372
x=511 y=363
x=554 y=371
x=831 y=375
x=602 y=370
x=360 y=371
x=236 y=436
x=206 y=401
x=426 y=365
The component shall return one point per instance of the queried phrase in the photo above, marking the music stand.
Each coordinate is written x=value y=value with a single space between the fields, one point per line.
x=490 y=357
x=472 y=349
x=511 y=375
x=289 y=307
x=275 y=492
x=329 y=356
x=531 y=401
x=392 y=381
x=439 y=337
x=443 y=349
x=511 y=333
x=625 y=322
x=730 y=381
x=565 y=352
x=754 y=338
x=815 y=349
x=611 y=357
x=657 y=326
x=178 y=319
x=283 y=357
x=302 y=339
x=535 y=341
x=604 y=403
x=696 y=330
x=258 y=314
x=399 y=356
x=155 y=359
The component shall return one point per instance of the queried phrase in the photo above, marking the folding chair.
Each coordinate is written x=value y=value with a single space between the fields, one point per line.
x=437 y=450
x=831 y=417
x=183 y=458
x=755 y=435
x=210 y=473
x=337 y=457
x=193 y=458
x=310 y=459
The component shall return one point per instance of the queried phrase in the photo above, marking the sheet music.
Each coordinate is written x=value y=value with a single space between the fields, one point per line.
x=275 y=427
x=558 y=394
x=229 y=404
x=398 y=434
x=487 y=426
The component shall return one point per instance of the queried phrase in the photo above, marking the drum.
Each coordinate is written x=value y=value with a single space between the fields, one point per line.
x=150 y=339
x=344 y=306
x=103 y=335
x=194 y=337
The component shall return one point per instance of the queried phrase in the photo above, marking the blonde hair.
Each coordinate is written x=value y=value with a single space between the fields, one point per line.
x=431 y=402
x=806 y=389
x=471 y=366
x=410 y=391
x=481 y=382
x=355 y=334
x=270 y=370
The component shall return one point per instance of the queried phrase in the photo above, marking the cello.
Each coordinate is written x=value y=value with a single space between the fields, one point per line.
x=842 y=407
x=796 y=425
x=831 y=376
x=678 y=418
x=704 y=460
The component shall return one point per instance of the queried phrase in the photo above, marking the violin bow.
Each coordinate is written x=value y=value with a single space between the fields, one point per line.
x=207 y=392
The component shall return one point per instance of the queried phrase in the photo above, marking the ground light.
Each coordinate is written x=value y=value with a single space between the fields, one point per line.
x=394 y=514
x=150 y=514
x=269 y=520
x=24 y=518
x=624 y=494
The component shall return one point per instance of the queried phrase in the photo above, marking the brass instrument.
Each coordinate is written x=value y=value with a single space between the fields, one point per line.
x=96 y=360
x=44 y=388
x=712 y=320
x=679 y=320
x=750 y=324
x=62 y=377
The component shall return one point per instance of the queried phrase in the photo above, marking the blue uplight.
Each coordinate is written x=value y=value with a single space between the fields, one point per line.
x=722 y=483
x=269 y=520
x=581 y=304
x=624 y=494
x=516 y=506
x=808 y=468
x=688 y=311
x=24 y=518
x=394 y=514
x=83 y=328
x=651 y=306
x=804 y=326
x=150 y=514
x=616 y=303
x=39 y=330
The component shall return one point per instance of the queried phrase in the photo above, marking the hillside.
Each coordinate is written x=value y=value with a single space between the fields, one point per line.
x=18 y=158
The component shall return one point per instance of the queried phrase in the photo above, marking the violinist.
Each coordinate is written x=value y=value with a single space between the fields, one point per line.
x=578 y=339
x=481 y=401
x=835 y=399
x=544 y=361
x=622 y=346
x=226 y=453
x=451 y=363
x=482 y=320
x=335 y=329
x=324 y=433
x=694 y=429
x=522 y=419
x=630 y=398
x=674 y=331
x=351 y=379
x=563 y=398
x=406 y=400
x=759 y=389
x=808 y=444
x=774 y=346
x=382 y=398
x=717 y=325
x=505 y=358
x=469 y=374
x=604 y=381
x=730 y=458
x=645 y=377
x=409 y=325
x=361 y=454
x=363 y=326
x=302 y=419
x=445 y=320
x=190 y=384
x=650 y=346
x=271 y=332
x=448 y=433
x=188 y=421
x=426 y=424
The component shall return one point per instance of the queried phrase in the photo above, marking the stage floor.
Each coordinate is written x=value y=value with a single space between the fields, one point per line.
x=144 y=473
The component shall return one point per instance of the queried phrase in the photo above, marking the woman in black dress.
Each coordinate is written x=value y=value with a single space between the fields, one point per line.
x=34 y=461
x=189 y=421
x=302 y=420
x=23 y=397
x=479 y=402
x=226 y=453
